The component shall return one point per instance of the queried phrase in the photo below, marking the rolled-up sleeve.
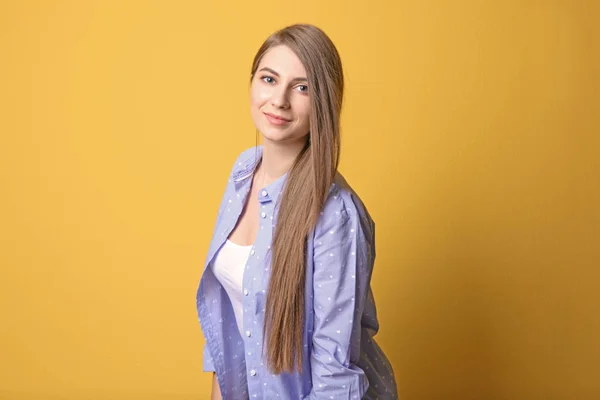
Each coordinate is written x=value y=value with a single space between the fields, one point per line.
x=341 y=278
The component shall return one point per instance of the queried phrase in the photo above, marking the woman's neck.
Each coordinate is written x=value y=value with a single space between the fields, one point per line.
x=277 y=159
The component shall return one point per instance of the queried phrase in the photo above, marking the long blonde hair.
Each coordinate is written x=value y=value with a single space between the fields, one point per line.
x=308 y=183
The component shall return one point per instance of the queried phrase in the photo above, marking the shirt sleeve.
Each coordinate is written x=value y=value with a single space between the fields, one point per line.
x=341 y=278
x=207 y=361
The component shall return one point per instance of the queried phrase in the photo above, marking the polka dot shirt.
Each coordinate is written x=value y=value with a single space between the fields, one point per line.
x=341 y=358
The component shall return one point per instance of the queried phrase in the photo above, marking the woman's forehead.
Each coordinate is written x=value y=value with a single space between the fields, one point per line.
x=283 y=61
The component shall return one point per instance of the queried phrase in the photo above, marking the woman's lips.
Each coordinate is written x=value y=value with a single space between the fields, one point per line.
x=275 y=120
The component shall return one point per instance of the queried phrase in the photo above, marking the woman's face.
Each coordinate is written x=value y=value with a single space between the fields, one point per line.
x=279 y=88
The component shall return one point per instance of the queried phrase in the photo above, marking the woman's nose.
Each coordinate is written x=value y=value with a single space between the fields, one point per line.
x=279 y=98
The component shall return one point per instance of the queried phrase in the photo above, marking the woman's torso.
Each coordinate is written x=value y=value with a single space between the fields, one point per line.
x=247 y=215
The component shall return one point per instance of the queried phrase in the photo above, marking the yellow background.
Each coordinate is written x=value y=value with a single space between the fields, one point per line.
x=470 y=130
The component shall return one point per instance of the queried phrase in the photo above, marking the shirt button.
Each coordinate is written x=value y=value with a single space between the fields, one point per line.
x=252 y=372
x=252 y=251
x=264 y=193
x=264 y=215
x=248 y=333
x=245 y=292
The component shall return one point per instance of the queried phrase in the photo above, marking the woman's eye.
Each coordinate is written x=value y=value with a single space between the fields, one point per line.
x=269 y=79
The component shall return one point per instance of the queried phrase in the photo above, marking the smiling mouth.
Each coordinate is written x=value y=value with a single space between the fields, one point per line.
x=277 y=117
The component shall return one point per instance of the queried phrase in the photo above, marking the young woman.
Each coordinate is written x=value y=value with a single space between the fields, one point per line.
x=284 y=301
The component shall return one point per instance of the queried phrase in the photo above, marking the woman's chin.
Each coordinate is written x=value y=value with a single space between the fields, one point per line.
x=275 y=135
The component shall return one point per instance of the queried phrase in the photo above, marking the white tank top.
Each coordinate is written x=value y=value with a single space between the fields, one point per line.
x=228 y=267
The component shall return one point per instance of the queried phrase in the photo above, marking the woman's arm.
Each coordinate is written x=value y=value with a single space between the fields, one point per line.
x=342 y=270
x=216 y=391
x=208 y=366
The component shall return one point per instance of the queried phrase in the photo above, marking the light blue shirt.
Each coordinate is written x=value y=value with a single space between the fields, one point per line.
x=341 y=360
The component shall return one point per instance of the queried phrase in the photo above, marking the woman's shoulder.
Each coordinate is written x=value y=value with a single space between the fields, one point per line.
x=349 y=198
x=245 y=158
x=344 y=202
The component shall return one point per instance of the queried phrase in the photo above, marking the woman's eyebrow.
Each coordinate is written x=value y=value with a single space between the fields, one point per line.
x=299 y=79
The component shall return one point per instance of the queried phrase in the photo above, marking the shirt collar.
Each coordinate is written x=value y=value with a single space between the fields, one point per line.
x=243 y=172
